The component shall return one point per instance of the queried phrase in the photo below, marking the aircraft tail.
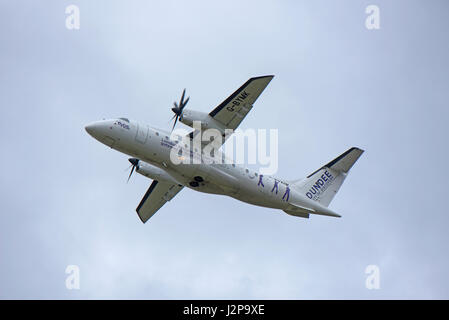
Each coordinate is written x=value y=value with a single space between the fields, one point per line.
x=323 y=184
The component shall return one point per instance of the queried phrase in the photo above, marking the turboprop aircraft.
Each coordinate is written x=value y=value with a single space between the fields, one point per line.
x=152 y=153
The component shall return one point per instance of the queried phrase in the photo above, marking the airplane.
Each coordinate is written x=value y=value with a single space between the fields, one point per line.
x=150 y=149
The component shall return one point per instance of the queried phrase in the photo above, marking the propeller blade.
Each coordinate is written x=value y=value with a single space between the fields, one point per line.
x=130 y=174
x=177 y=109
x=134 y=164
x=182 y=97
x=185 y=102
x=174 y=124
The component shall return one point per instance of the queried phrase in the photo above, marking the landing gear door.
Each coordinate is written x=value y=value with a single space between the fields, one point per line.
x=142 y=134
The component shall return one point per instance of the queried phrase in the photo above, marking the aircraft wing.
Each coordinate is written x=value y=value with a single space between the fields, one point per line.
x=155 y=197
x=234 y=109
x=231 y=112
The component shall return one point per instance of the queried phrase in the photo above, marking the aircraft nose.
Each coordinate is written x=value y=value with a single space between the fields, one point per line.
x=98 y=129
x=92 y=129
x=101 y=131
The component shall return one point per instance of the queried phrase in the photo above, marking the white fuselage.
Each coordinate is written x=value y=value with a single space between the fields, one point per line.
x=153 y=146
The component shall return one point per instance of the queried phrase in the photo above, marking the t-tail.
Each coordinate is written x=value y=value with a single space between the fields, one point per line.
x=324 y=183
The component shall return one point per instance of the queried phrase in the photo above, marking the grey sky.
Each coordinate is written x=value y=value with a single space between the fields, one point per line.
x=66 y=201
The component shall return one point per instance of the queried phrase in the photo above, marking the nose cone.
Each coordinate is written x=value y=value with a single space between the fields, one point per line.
x=102 y=131
x=93 y=129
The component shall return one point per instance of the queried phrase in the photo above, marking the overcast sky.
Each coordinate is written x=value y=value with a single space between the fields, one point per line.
x=65 y=200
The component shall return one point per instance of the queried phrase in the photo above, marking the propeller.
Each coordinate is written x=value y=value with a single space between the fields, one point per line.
x=177 y=109
x=134 y=164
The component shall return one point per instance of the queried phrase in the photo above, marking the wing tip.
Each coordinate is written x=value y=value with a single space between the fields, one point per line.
x=140 y=217
x=261 y=77
x=145 y=197
x=359 y=149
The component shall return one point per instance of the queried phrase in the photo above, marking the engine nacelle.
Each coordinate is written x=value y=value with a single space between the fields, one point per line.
x=207 y=122
x=153 y=172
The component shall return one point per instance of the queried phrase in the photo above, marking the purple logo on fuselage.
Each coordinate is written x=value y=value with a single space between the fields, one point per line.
x=121 y=124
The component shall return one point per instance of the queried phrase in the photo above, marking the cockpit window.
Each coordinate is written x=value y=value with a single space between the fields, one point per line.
x=124 y=119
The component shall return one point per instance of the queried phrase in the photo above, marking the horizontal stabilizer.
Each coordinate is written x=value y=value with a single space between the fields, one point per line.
x=303 y=212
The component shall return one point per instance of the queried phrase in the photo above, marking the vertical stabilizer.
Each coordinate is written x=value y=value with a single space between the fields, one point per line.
x=324 y=183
